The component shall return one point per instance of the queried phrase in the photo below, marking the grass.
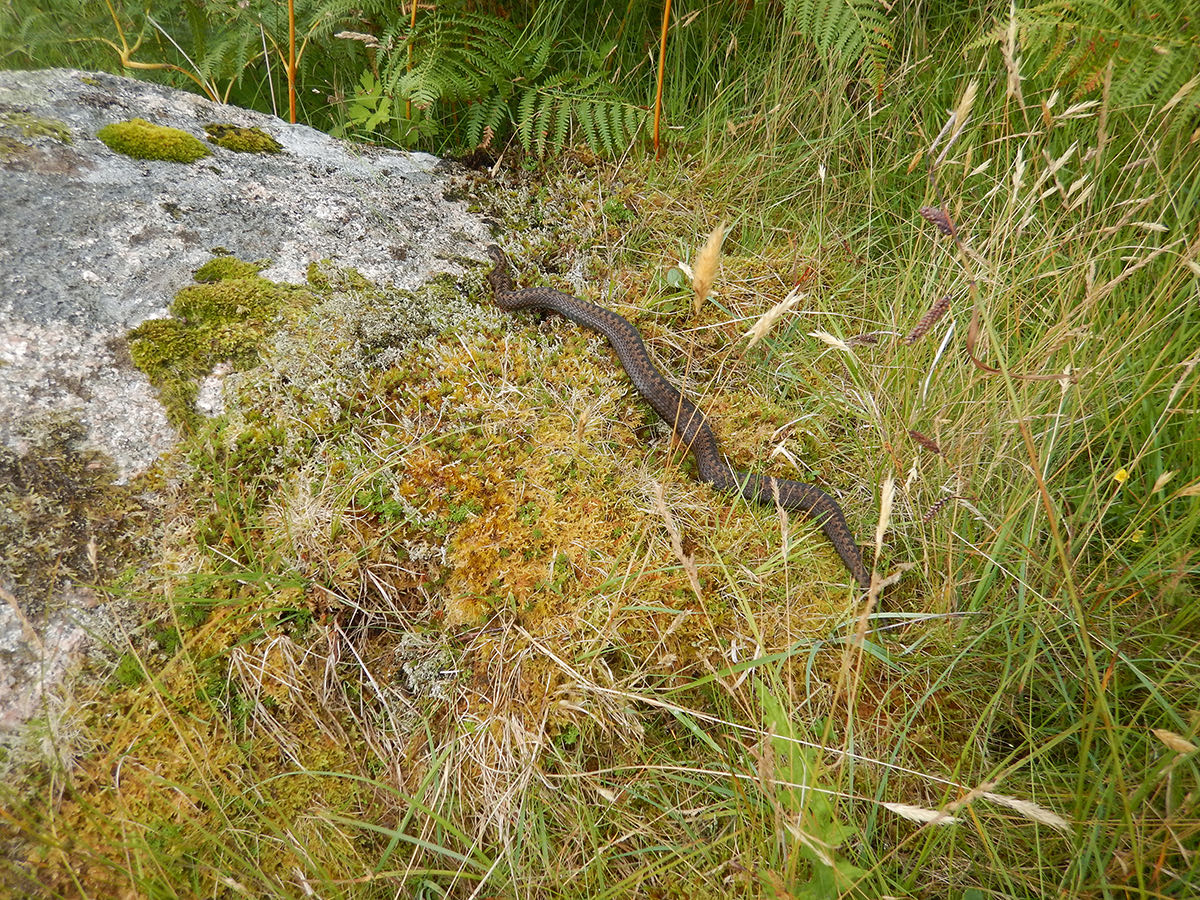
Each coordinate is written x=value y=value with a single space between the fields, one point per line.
x=429 y=630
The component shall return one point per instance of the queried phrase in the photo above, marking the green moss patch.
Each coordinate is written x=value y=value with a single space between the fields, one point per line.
x=11 y=148
x=242 y=140
x=222 y=268
x=145 y=140
x=225 y=318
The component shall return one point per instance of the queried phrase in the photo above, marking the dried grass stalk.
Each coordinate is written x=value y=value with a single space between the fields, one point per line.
x=767 y=320
x=1174 y=741
x=921 y=814
x=1030 y=810
x=832 y=340
x=687 y=560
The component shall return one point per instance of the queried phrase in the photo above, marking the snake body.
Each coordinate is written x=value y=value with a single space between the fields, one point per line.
x=688 y=422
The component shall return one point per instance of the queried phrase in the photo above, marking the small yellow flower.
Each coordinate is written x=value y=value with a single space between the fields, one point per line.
x=1138 y=535
x=1121 y=475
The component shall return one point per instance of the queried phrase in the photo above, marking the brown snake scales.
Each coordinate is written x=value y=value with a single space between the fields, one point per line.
x=688 y=422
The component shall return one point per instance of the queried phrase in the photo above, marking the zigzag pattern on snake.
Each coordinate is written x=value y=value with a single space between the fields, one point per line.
x=688 y=422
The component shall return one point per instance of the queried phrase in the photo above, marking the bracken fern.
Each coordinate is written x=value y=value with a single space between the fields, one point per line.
x=502 y=75
x=844 y=30
x=1150 y=51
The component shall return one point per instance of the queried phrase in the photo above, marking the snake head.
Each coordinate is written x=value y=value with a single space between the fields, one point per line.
x=500 y=278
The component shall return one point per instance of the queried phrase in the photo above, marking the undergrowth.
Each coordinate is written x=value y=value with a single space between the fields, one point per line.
x=443 y=613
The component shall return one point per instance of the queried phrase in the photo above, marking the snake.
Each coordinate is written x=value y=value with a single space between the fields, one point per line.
x=688 y=422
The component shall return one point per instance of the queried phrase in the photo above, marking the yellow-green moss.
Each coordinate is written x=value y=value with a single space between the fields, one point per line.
x=32 y=126
x=221 y=268
x=244 y=299
x=224 y=319
x=242 y=140
x=325 y=276
x=144 y=140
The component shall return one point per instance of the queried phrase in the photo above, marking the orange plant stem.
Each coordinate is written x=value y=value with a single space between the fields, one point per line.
x=291 y=72
x=412 y=24
x=662 y=64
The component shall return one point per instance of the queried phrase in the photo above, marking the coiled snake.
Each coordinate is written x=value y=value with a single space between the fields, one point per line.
x=688 y=422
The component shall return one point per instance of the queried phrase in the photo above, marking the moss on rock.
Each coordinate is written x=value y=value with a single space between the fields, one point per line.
x=11 y=148
x=32 y=126
x=145 y=140
x=241 y=140
x=226 y=318
x=221 y=268
x=63 y=517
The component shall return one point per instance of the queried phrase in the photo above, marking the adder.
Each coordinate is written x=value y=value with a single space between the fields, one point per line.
x=688 y=422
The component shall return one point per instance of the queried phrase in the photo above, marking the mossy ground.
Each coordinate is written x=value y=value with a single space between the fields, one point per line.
x=418 y=525
x=63 y=517
x=225 y=317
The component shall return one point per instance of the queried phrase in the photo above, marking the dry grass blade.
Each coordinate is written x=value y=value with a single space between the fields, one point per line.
x=962 y=111
x=921 y=814
x=832 y=340
x=1030 y=810
x=1173 y=741
x=367 y=40
x=1161 y=481
x=956 y=121
x=706 y=266
x=687 y=560
x=887 y=496
x=1012 y=63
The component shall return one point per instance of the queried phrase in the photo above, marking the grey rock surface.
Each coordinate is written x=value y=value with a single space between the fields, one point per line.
x=93 y=242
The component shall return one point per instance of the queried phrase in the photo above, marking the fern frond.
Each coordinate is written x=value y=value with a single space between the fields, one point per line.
x=1154 y=46
x=844 y=31
x=525 y=118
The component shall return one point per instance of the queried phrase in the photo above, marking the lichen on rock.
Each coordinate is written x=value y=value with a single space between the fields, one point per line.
x=145 y=140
